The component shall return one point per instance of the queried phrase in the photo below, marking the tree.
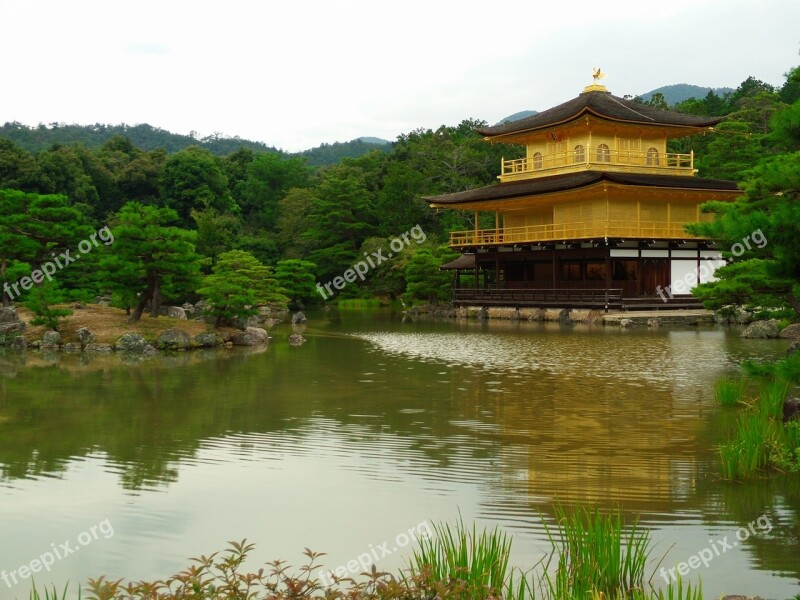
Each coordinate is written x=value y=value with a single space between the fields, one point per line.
x=216 y=232
x=194 y=179
x=150 y=258
x=760 y=232
x=341 y=218
x=238 y=284
x=426 y=281
x=297 y=280
x=294 y=219
x=40 y=302
x=269 y=177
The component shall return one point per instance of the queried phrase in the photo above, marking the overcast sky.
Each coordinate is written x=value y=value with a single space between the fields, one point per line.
x=296 y=74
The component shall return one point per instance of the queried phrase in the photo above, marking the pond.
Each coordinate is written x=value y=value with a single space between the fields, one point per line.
x=375 y=429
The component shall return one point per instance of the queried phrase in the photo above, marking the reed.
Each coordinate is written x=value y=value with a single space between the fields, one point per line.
x=50 y=594
x=730 y=392
x=597 y=554
x=478 y=561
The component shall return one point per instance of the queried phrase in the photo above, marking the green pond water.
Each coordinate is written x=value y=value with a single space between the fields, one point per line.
x=374 y=427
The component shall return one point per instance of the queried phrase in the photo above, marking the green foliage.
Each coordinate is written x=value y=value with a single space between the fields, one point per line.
x=597 y=554
x=195 y=179
x=762 y=442
x=238 y=284
x=730 y=392
x=340 y=219
x=51 y=593
x=41 y=301
x=268 y=178
x=297 y=280
x=151 y=258
x=331 y=154
x=479 y=562
x=426 y=282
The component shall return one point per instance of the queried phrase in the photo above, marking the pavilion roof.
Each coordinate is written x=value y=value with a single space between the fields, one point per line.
x=570 y=181
x=605 y=106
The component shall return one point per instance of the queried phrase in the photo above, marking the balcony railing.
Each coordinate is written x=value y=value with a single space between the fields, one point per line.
x=599 y=158
x=571 y=231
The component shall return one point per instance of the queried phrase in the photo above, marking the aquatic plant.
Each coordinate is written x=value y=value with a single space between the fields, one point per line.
x=358 y=303
x=730 y=392
x=597 y=554
x=479 y=562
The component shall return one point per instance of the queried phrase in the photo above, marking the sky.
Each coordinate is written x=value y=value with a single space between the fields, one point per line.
x=296 y=74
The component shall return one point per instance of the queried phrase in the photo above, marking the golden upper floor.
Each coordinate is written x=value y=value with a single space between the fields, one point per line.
x=600 y=132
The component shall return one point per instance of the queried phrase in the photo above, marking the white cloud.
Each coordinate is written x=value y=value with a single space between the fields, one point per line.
x=297 y=74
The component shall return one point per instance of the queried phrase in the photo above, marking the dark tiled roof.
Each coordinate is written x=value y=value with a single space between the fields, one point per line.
x=558 y=183
x=604 y=105
x=465 y=261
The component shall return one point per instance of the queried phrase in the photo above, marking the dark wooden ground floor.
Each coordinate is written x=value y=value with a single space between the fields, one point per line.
x=650 y=274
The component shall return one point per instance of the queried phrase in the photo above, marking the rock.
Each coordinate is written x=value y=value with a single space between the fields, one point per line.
x=791 y=409
x=654 y=322
x=99 y=348
x=792 y=332
x=741 y=316
x=229 y=344
x=173 y=339
x=84 y=336
x=8 y=314
x=176 y=312
x=793 y=347
x=72 y=347
x=149 y=350
x=296 y=340
x=130 y=342
x=79 y=306
x=19 y=343
x=242 y=338
x=200 y=306
x=51 y=339
x=626 y=323
x=188 y=308
x=207 y=340
x=298 y=317
x=500 y=312
x=532 y=314
x=269 y=323
x=449 y=313
x=557 y=315
x=10 y=325
x=761 y=330
x=240 y=323
x=260 y=336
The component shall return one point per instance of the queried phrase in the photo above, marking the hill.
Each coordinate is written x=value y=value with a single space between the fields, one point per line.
x=147 y=137
x=683 y=91
x=144 y=136
x=331 y=154
x=517 y=116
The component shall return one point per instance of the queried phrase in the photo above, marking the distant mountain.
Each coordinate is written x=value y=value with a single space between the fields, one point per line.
x=373 y=140
x=517 y=116
x=683 y=91
x=331 y=154
x=144 y=136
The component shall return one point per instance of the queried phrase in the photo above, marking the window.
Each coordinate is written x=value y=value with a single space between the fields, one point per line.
x=652 y=156
x=580 y=154
x=537 y=160
x=570 y=272
x=603 y=153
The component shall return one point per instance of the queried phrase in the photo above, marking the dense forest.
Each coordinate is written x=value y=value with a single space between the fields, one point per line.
x=182 y=215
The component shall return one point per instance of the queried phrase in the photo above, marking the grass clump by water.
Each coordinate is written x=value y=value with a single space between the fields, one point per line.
x=762 y=442
x=598 y=556
x=730 y=392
